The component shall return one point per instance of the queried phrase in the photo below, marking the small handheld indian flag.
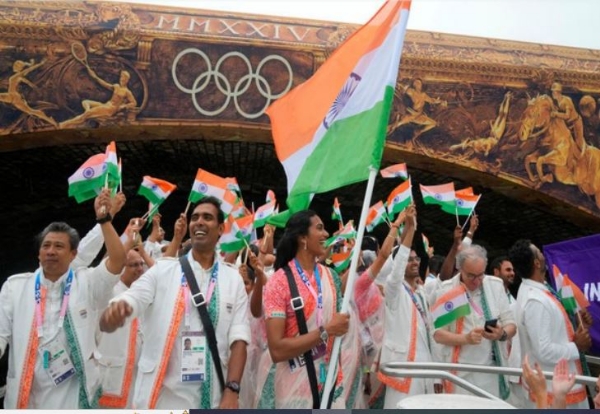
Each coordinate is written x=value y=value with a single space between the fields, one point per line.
x=337 y=212
x=270 y=196
x=439 y=194
x=377 y=215
x=450 y=306
x=341 y=260
x=207 y=184
x=112 y=165
x=399 y=198
x=463 y=204
x=394 y=171
x=565 y=291
x=230 y=241
x=347 y=233
x=87 y=182
x=155 y=190
x=263 y=213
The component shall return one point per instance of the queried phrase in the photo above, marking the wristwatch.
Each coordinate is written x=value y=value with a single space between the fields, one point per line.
x=504 y=336
x=104 y=219
x=323 y=334
x=233 y=386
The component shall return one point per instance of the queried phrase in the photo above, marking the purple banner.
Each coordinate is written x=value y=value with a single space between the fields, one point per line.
x=580 y=259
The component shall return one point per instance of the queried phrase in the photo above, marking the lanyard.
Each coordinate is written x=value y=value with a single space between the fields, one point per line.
x=417 y=304
x=39 y=297
x=209 y=293
x=317 y=295
x=474 y=305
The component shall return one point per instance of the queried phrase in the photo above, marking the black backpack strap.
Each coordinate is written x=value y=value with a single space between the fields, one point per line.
x=200 y=302
x=298 y=305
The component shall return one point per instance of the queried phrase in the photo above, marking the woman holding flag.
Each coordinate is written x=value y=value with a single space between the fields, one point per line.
x=318 y=300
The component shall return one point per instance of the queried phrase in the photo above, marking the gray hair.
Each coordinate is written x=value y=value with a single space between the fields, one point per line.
x=472 y=252
x=60 y=227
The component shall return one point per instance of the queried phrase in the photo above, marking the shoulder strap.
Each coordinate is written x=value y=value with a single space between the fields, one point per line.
x=200 y=303
x=298 y=305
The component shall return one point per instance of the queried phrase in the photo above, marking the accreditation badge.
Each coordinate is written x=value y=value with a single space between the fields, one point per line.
x=56 y=361
x=193 y=356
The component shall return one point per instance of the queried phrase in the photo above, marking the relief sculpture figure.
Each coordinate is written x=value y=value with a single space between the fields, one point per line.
x=565 y=109
x=14 y=98
x=416 y=114
x=497 y=129
x=122 y=100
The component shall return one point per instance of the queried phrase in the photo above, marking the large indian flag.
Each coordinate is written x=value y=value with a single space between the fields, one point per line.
x=329 y=130
x=87 y=182
x=450 y=306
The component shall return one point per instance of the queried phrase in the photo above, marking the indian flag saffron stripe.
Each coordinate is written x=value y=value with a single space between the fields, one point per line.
x=465 y=191
x=112 y=165
x=399 y=198
x=394 y=171
x=329 y=130
x=377 y=215
x=450 y=306
x=88 y=180
x=155 y=190
x=438 y=194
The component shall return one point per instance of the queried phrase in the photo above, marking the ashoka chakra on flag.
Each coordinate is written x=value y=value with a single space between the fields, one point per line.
x=88 y=172
x=203 y=188
x=460 y=202
x=342 y=99
x=437 y=196
x=448 y=306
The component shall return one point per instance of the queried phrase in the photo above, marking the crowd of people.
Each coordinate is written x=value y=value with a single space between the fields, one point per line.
x=179 y=324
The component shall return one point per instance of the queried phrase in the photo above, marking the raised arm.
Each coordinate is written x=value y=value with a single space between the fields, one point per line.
x=178 y=234
x=114 y=248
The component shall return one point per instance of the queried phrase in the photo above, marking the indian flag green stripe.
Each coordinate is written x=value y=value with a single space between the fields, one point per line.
x=454 y=314
x=340 y=144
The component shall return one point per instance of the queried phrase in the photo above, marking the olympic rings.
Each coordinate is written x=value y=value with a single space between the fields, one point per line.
x=225 y=87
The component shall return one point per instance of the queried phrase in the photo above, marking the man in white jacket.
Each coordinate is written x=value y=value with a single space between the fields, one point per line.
x=49 y=319
x=546 y=333
x=162 y=297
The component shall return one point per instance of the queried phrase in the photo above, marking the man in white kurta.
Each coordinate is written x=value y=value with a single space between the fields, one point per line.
x=465 y=340
x=160 y=297
x=545 y=331
x=407 y=321
x=29 y=383
x=120 y=350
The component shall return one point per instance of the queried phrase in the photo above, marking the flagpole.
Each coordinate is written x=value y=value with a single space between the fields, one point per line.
x=470 y=214
x=456 y=213
x=187 y=208
x=331 y=374
x=155 y=207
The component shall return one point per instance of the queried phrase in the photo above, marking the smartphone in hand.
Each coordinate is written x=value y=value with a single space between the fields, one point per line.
x=490 y=323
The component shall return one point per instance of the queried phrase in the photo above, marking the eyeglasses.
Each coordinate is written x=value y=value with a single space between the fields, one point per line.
x=414 y=259
x=473 y=277
x=136 y=264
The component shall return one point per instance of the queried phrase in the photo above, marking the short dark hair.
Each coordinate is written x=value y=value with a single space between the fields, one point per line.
x=522 y=257
x=60 y=227
x=435 y=263
x=497 y=262
x=215 y=202
x=370 y=243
